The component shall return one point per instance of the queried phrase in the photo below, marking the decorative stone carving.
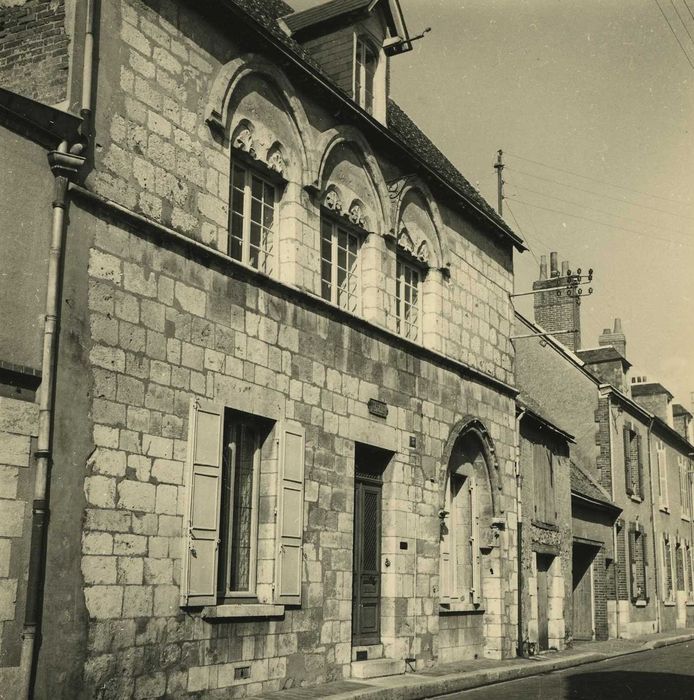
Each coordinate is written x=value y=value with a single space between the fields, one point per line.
x=332 y=200
x=423 y=252
x=356 y=215
x=243 y=138
x=405 y=241
x=275 y=159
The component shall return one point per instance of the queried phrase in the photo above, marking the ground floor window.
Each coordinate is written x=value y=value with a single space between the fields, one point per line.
x=243 y=542
x=638 y=564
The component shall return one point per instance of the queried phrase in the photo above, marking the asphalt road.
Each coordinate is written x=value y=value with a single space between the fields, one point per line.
x=666 y=673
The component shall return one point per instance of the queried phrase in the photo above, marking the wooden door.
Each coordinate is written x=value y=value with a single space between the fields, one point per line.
x=544 y=561
x=366 y=596
x=583 y=592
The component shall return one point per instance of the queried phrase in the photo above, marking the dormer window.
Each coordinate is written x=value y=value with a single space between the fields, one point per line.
x=365 y=65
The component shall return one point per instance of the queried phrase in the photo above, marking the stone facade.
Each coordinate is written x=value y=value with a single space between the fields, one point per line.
x=18 y=429
x=156 y=317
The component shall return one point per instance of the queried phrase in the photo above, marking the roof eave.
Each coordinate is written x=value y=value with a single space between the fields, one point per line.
x=595 y=503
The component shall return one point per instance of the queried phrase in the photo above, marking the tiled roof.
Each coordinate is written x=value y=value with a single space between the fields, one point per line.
x=584 y=485
x=649 y=389
x=323 y=12
x=424 y=148
x=606 y=353
x=679 y=410
x=411 y=138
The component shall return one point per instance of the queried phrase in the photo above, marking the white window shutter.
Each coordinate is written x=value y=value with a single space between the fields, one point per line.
x=662 y=473
x=476 y=593
x=290 y=514
x=204 y=482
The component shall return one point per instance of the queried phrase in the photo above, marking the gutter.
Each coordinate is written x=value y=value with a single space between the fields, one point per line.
x=656 y=539
x=64 y=166
x=595 y=503
x=65 y=163
x=521 y=649
x=363 y=115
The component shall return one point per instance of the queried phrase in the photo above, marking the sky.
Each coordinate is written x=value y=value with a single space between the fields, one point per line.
x=593 y=105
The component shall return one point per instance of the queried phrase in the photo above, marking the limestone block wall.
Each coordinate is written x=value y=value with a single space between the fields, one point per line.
x=170 y=66
x=165 y=325
x=18 y=429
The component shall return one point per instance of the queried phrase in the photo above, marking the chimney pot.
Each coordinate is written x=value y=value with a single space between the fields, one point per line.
x=543 y=267
x=565 y=268
x=553 y=264
x=618 y=325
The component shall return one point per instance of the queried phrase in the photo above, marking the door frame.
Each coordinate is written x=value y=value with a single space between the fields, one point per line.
x=375 y=482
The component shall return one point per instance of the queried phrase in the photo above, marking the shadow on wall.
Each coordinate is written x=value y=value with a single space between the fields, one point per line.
x=629 y=685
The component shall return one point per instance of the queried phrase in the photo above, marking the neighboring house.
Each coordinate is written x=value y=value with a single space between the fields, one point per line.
x=626 y=443
x=546 y=544
x=671 y=459
x=568 y=393
x=282 y=410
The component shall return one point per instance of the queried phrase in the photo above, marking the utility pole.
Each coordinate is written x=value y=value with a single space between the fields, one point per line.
x=499 y=166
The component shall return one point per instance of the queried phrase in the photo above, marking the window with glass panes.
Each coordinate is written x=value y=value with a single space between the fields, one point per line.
x=366 y=61
x=407 y=299
x=251 y=218
x=340 y=265
x=239 y=515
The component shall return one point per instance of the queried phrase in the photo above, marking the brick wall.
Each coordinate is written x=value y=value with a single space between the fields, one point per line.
x=555 y=311
x=34 y=49
x=603 y=441
x=600 y=595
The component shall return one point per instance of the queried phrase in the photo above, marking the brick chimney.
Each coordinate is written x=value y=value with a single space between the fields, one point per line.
x=615 y=337
x=555 y=310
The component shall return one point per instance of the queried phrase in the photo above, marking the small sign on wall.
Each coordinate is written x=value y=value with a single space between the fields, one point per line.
x=378 y=408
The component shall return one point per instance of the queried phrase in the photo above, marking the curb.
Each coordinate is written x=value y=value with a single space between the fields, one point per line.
x=476 y=679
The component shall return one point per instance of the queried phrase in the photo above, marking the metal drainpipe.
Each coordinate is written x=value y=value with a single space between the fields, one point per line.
x=656 y=539
x=64 y=165
x=519 y=535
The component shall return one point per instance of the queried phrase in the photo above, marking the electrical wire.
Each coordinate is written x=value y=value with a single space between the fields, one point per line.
x=679 y=16
x=530 y=248
x=686 y=55
x=599 y=211
x=602 y=223
x=601 y=182
x=687 y=6
x=598 y=194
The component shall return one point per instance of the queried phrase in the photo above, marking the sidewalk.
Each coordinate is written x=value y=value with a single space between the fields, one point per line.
x=450 y=678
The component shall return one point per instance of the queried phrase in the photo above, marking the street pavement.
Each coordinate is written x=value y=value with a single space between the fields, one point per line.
x=660 y=673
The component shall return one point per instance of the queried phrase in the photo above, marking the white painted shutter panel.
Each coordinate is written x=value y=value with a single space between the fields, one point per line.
x=290 y=515
x=445 y=566
x=204 y=482
x=662 y=475
x=476 y=592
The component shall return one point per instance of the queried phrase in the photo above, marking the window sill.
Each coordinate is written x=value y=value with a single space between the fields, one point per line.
x=689 y=603
x=457 y=608
x=669 y=603
x=635 y=498
x=640 y=603
x=230 y=611
x=665 y=509
x=686 y=518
